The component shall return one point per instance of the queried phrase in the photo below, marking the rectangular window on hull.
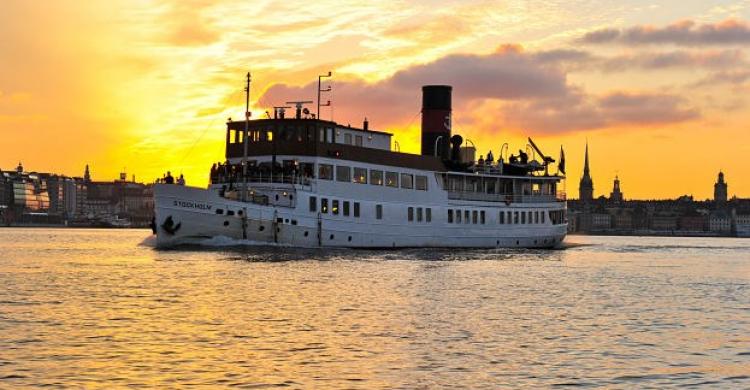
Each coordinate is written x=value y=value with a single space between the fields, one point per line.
x=450 y=216
x=343 y=173
x=482 y=217
x=466 y=216
x=346 y=208
x=325 y=171
x=542 y=217
x=313 y=204
x=335 y=207
x=411 y=214
x=391 y=179
x=474 y=217
x=376 y=178
x=523 y=218
x=501 y=218
x=379 y=211
x=407 y=181
x=420 y=183
x=419 y=214
x=458 y=216
x=515 y=217
x=357 y=140
x=324 y=206
x=356 y=209
x=428 y=215
x=360 y=175
x=536 y=217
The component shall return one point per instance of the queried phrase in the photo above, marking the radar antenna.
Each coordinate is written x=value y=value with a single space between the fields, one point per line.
x=298 y=105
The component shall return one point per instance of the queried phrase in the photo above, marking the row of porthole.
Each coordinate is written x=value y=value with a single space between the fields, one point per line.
x=229 y=212
x=332 y=237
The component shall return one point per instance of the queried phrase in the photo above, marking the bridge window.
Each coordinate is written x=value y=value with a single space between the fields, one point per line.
x=325 y=171
x=376 y=178
x=360 y=175
x=407 y=181
x=313 y=204
x=324 y=205
x=346 y=208
x=421 y=183
x=379 y=211
x=343 y=173
x=391 y=179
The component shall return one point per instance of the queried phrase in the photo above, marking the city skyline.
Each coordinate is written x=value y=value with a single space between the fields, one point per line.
x=656 y=89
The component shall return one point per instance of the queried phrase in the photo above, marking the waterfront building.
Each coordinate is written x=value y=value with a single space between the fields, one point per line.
x=695 y=222
x=720 y=221
x=601 y=220
x=720 y=190
x=743 y=225
x=586 y=186
x=664 y=220
x=622 y=218
x=616 y=194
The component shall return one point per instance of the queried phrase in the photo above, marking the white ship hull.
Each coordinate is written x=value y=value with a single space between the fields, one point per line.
x=186 y=215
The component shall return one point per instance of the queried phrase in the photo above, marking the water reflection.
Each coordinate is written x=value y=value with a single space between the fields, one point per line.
x=95 y=308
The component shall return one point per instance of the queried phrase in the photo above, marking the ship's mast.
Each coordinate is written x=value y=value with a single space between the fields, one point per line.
x=244 y=138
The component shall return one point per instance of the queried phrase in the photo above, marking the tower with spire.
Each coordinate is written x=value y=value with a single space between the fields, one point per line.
x=616 y=194
x=720 y=190
x=87 y=174
x=586 y=187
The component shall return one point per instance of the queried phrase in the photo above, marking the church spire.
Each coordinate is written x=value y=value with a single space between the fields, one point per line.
x=586 y=187
x=586 y=163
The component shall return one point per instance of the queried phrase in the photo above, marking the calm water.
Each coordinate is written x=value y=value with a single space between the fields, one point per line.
x=100 y=308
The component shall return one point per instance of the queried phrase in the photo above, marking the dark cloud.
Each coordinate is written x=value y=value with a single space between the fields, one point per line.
x=675 y=59
x=580 y=112
x=529 y=90
x=645 y=109
x=508 y=74
x=685 y=33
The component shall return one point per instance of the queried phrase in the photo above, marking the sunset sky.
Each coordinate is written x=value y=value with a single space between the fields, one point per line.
x=661 y=90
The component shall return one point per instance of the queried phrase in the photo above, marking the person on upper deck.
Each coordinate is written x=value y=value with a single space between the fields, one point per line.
x=181 y=180
x=169 y=179
x=524 y=157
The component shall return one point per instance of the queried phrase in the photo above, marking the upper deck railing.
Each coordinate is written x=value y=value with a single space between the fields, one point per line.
x=507 y=198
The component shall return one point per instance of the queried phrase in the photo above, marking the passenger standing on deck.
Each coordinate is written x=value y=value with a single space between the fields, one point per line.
x=181 y=180
x=169 y=179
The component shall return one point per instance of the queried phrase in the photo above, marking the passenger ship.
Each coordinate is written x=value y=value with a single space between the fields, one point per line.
x=307 y=182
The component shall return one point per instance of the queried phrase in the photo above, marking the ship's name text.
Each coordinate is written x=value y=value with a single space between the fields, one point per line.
x=192 y=205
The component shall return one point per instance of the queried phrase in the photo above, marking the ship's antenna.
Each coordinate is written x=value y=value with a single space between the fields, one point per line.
x=244 y=138
x=327 y=89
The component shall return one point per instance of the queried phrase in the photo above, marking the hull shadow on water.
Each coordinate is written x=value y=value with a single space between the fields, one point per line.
x=243 y=250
